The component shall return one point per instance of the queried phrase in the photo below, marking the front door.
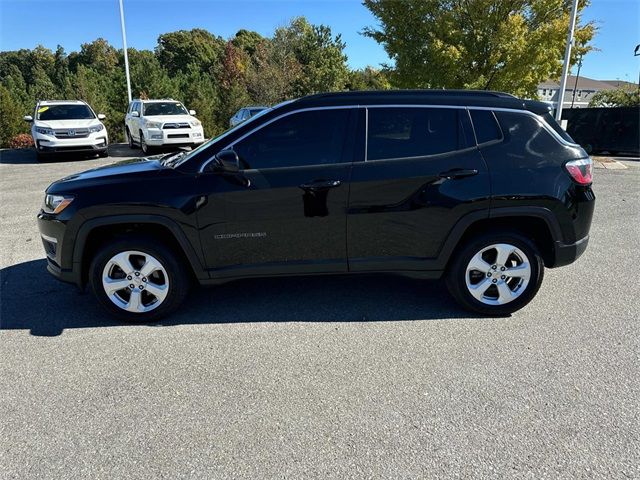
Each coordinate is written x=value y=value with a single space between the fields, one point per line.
x=286 y=210
x=421 y=174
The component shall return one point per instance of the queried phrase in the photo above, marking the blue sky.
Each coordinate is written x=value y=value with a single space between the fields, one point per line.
x=26 y=23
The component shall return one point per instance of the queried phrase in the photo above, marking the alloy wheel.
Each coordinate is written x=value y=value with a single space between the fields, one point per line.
x=498 y=274
x=135 y=281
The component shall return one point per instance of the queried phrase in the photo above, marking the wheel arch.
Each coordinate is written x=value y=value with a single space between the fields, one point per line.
x=537 y=223
x=94 y=233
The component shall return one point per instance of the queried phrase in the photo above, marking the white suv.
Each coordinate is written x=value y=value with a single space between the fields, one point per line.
x=158 y=123
x=67 y=126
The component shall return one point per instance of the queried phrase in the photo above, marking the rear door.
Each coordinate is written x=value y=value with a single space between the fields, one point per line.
x=420 y=173
x=286 y=211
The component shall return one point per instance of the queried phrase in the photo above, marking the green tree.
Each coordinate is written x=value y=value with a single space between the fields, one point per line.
x=11 y=114
x=321 y=55
x=179 y=50
x=620 y=97
x=368 y=78
x=508 y=45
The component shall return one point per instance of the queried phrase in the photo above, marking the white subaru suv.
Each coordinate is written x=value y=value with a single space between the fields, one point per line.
x=160 y=123
x=59 y=126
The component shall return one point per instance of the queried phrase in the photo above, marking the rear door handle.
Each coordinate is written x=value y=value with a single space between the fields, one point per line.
x=320 y=184
x=458 y=173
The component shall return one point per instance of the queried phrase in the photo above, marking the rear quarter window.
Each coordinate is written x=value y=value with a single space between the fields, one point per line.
x=548 y=118
x=526 y=136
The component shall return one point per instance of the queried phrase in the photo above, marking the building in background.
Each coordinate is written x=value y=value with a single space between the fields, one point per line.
x=584 y=91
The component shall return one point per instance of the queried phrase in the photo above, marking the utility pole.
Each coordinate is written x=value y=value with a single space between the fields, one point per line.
x=575 y=86
x=636 y=53
x=567 y=59
x=126 y=56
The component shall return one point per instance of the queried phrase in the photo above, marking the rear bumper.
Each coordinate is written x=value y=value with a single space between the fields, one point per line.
x=569 y=253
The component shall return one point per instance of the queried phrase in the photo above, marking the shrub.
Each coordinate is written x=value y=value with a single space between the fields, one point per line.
x=22 y=140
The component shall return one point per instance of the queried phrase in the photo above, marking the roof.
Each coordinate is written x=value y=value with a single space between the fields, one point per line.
x=151 y=100
x=481 y=98
x=584 y=83
x=621 y=83
x=54 y=102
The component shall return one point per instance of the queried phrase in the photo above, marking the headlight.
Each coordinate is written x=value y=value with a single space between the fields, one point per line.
x=96 y=128
x=195 y=123
x=56 y=203
x=44 y=131
x=152 y=124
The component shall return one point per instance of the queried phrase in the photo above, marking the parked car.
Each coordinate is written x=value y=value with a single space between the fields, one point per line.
x=61 y=126
x=161 y=123
x=481 y=188
x=245 y=114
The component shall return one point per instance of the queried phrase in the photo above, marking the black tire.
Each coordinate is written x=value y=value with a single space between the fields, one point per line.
x=130 y=141
x=146 y=149
x=457 y=271
x=178 y=277
x=103 y=154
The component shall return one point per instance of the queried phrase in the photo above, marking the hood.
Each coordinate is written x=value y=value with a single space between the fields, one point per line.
x=171 y=118
x=67 y=123
x=110 y=173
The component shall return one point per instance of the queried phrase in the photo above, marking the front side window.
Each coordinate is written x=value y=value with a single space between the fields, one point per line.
x=164 y=108
x=306 y=138
x=64 y=112
x=413 y=132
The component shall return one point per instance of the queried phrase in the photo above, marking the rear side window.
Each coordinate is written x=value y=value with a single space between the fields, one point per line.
x=548 y=118
x=413 y=132
x=485 y=125
x=307 y=138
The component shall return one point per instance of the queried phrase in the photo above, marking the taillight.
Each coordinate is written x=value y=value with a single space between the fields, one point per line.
x=580 y=170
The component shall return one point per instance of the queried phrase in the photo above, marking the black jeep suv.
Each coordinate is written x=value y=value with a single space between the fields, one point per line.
x=482 y=188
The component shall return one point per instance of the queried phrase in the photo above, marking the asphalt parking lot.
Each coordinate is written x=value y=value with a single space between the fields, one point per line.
x=320 y=377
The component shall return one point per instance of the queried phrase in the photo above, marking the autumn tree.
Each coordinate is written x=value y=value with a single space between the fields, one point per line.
x=508 y=45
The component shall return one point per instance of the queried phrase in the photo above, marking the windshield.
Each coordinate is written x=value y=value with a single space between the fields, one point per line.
x=64 y=112
x=164 y=108
x=178 y=161
x=255 y=111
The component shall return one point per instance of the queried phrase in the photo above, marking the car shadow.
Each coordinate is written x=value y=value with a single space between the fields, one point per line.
x=31 y=299
x=26 y=156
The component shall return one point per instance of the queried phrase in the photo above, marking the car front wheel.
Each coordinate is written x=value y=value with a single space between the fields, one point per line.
x=138 y=279
x=143 y=145
x=496 y=274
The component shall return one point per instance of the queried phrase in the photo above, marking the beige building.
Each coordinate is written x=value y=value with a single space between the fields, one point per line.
x=584 y=91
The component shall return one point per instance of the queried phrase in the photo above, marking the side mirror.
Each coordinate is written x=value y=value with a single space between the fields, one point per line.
x=135 y=114
x=28 y=118
x=192 y=112
x=228 y=161
x=101 y=116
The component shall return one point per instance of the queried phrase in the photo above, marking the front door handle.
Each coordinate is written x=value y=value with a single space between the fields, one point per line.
x=320 y=185
x=458 y=173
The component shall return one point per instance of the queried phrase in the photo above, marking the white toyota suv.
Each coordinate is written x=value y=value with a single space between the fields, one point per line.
x=159 y=123
x=59 y=126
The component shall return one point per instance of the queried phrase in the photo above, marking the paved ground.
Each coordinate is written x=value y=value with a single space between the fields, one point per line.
x=322 y=377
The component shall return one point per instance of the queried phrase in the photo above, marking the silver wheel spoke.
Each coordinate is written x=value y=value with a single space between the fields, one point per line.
x=113 y=285
x=480 y=288
x=505 y=293
x=135 y=302
x=122 y=260
x=158 y=291
x=521 y=271
x=150 y=266
x=503 y=251
x=477 y=263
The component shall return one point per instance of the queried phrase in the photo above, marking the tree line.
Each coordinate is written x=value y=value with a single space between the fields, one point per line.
x=211 y=75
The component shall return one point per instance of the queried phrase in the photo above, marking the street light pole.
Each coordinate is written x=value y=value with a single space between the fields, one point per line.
x=636 y=53
x=126 y=56
x=567 y=59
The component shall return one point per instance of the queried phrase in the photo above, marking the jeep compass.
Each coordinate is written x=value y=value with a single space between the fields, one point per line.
x=480 y=188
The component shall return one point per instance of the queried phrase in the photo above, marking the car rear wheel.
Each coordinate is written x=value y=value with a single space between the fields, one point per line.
x=496 y=274
x=138 y=279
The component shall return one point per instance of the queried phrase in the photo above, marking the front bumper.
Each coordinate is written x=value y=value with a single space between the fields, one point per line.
x=59 y=254
x=50 y=144
x=156 y=137
x=569 y=253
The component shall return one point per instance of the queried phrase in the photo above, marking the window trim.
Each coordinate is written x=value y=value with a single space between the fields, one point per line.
x=490 y=142
x=522 y=111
